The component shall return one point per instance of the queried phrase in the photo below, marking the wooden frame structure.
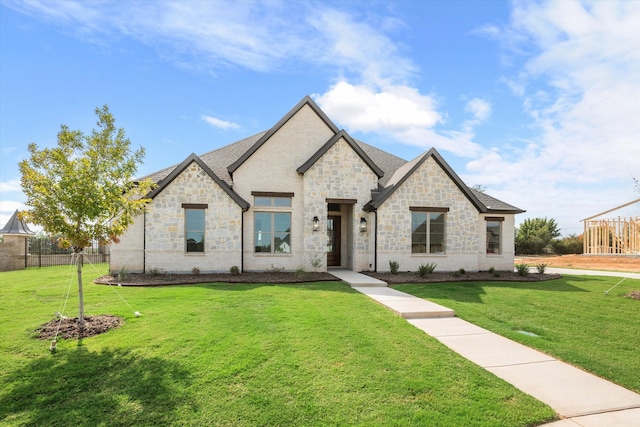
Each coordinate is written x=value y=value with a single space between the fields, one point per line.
x=612 y=236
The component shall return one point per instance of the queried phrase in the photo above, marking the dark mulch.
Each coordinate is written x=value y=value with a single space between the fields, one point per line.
x=483 y=276
x=634 y=295
x=135 y=279
x=93 y=325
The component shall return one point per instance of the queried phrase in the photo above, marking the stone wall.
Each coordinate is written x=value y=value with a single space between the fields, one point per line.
x=429 y=186
x=12 y=253
x=340 y=174
x=164 y=237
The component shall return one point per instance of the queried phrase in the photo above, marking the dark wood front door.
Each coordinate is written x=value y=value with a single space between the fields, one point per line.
x=333 y=241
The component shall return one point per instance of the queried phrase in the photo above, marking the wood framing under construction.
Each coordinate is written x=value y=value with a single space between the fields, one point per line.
x=613 y=236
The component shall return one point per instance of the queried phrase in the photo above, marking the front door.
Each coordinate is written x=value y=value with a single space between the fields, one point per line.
x=333 y=241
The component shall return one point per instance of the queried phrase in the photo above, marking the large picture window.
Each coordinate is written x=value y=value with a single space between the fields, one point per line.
x=494 y=234
x=194 y=229
x=428 y=230
x=272 y=223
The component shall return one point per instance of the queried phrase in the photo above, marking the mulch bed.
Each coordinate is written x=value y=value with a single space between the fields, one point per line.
x=136 y=279
x=93 y=325
x=484 y=276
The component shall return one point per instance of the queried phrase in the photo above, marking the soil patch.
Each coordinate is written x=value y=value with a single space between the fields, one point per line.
x=68 y=327
x=586 y=262
x=135 y=279
x=484 y=276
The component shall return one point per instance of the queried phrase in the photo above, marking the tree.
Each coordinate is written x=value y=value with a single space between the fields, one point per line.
x=535 y=234
x=83 y=189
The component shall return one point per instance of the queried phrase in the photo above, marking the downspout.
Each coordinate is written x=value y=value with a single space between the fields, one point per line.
x=375 y=242
x=144 y=241
x=242 y=242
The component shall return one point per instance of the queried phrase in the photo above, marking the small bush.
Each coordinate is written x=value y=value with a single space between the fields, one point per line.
x=496 y=273
x=394 y=266
x=122 y=274
x=301 y=274
x=523 y=269
x=492 y=269
x=456 y=273
x=541 y=268
x=155 y=272
x=195 y=270
x=275 y=269
x=462 y=271
x=425 y=269
x=234 y=270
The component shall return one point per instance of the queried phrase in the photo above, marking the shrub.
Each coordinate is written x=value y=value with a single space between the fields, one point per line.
x=492 y=269
x=195 y=270
x=456 y=273
x=234 y=270
x=523 y=269
x=425 y=269
x=275 y=269
x=541 y=268
x=496 y=273
x=394 y=266
x=301 y=274
x=462 y=271
x=571 y=244
x=122 y=274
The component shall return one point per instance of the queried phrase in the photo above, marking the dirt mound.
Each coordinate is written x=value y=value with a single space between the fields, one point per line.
x=585 y=262
x=68 y=327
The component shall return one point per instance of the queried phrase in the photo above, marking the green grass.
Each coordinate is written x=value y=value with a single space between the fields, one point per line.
x=573 y=318
x=237 y=355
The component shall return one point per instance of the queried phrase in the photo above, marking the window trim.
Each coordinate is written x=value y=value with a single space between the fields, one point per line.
x=195 y=207
x=427 y=244
x=272 y=210
x=499 y=220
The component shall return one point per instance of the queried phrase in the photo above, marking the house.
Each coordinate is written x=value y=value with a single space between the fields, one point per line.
x=305 y=194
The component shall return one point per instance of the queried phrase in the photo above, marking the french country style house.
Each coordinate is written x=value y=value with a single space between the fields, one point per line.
x=305 y=194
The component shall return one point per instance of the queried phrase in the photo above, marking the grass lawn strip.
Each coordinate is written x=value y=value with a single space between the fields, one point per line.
x=228 y=354
x=572 y=317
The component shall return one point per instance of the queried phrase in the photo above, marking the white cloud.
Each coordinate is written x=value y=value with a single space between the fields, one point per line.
x=9 y=186
x=398 y=111
x=222 y=124
x=480 y=109
x=579 y=83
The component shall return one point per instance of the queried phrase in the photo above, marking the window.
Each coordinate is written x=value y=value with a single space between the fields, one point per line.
x=194 y=228
x=272 y=223
x=494 y=233
x=428 y=230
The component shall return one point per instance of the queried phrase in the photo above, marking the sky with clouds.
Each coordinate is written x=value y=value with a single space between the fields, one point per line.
x=536 y=101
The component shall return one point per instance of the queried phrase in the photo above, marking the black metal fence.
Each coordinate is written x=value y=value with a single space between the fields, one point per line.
x=45 y=252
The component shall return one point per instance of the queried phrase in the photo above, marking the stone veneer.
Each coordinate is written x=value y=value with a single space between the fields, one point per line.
x=339 y=174
x=429 y=186
x=165 y=228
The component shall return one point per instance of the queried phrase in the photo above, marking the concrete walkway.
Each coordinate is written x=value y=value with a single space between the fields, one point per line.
x=581 y=399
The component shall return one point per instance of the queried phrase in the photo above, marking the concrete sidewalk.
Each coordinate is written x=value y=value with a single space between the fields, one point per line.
x=581 y=399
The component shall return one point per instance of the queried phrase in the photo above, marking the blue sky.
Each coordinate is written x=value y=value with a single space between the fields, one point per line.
x=536 y=101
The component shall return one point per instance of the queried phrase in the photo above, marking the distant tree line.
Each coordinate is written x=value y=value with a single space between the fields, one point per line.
x=537 y=236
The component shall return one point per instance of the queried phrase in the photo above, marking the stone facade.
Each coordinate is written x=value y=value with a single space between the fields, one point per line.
x=306 y=158
x=12 y=253
x=340 y=174
x=428 y=186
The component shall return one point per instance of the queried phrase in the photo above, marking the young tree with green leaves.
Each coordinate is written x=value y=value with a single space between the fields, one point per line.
x=83 y=189
x=535 y=234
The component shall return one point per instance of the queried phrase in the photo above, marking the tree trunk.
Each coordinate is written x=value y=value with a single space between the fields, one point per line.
x=80 y=293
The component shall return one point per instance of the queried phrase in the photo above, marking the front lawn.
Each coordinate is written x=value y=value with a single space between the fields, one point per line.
x=237 y=355
x=573 y=318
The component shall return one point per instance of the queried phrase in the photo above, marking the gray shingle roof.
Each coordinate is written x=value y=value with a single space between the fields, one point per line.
x=396 y=169
x=15 y=226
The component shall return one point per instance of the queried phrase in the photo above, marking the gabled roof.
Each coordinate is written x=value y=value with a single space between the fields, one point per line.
x=330 y=143
x=15 y=226
x=305 y=101
x=184 y=165
x=405 y=171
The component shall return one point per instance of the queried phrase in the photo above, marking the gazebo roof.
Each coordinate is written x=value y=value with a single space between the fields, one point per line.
x=16 y=227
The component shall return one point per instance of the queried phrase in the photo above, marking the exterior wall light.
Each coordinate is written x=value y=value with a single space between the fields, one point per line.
x=316 y=223
x=363 y=225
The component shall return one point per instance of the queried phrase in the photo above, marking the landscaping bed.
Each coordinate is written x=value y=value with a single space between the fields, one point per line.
x=138 y=279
